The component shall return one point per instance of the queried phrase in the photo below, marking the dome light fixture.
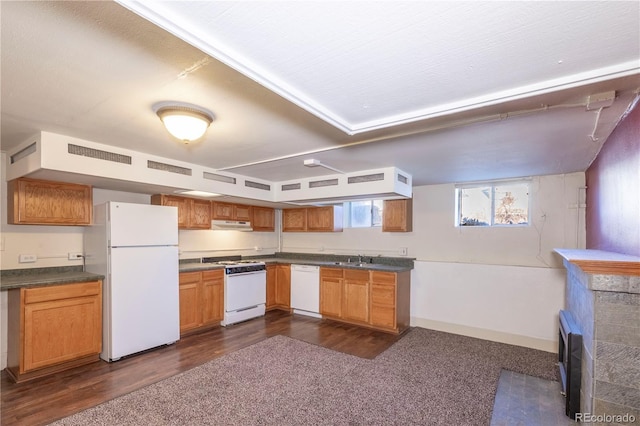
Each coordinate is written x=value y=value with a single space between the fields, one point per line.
x=185 y=122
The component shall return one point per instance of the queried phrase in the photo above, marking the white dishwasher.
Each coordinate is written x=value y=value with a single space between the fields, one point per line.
x=305 y=290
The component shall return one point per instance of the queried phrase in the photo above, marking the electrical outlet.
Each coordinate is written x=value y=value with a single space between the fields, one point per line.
x=403 y=251
x=75 y=256
x=27 y=258
x=1 y=243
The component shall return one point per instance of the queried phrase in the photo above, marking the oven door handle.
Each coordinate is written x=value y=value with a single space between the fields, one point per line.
x=240 y=274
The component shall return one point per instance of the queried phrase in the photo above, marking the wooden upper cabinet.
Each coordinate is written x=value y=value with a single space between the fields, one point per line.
x=312 y=219
x=192 y=213
x=200 y=215
x=40 y=202
x=294 y=220
x=263 y=219
x=324 y=219
x=222 y=211
x=228 y=211
x=182 y=203
x=397 y=215
x=242 y=212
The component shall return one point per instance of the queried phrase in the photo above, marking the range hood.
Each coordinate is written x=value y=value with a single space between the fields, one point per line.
x=231 y=225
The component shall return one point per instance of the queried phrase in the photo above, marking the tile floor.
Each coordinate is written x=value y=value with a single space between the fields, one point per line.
x=523 y=400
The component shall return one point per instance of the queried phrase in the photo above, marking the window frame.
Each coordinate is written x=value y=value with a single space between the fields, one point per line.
x=492 y=186
x=347 y=206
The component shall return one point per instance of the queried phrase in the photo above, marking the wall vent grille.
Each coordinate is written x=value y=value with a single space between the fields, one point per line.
x=257 y=185
x=366 y=178
x=168 y=168
x=219 y=178
x=23 y=153
x=322 y=183
x=98 y=154
x=290 y=186
x=403 y=179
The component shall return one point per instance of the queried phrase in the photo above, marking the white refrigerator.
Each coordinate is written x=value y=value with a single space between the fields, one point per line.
x=135 y=246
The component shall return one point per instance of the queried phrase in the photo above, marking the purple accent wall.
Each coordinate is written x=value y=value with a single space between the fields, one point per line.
x=613 y=190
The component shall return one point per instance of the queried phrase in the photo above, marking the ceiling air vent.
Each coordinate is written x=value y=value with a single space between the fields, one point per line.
x=168 y=168
x=219 y=178
x=321 y=183
x=403 y=179
x=290 y=187
x=98 y=154
x=257 y=185
x=366 y=178
x=23 y=153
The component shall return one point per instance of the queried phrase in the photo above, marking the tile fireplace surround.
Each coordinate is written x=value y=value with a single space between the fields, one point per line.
x=603 y=296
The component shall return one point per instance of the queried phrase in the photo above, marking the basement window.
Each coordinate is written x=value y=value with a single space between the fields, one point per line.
x=363 y=214
x=493 y=204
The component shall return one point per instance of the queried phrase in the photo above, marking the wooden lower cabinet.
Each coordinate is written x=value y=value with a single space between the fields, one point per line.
x=279 y=287
x=331 y=282
x=201 y=300
x=378 y=300
x=389 y=302
x=356 y=295
x=53 y=328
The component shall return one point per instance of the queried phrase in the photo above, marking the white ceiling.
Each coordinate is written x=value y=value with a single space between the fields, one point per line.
x=446 y=91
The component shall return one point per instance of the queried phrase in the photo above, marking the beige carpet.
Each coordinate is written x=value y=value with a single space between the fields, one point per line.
x=426 y=378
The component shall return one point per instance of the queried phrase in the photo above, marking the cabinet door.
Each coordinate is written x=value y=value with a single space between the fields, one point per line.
x=320 y=219
x=397 y=216
x=283 y=286
x=190 y=311
x=200 y=214
x=271 y=286
x=294 y=220
x=222 y=211
x=42 y=202
x=263 y=219
x=242 y=212
x=356 y=295
x=61 y=323
x=331 y=292
x=182 y=203
x=212 y=296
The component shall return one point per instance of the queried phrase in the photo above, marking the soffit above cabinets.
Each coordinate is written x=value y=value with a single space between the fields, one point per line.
x=59 y=157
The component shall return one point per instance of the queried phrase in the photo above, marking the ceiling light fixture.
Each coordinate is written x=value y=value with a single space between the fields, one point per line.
x=315 y=163
x=185 y=122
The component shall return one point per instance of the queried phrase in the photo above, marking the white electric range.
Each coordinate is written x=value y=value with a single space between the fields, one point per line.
x=245 y=294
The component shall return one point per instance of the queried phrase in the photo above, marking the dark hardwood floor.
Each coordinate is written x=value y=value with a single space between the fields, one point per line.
x=47 y=399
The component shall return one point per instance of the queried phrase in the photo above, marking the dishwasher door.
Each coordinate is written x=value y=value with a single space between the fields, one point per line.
x=305 y=290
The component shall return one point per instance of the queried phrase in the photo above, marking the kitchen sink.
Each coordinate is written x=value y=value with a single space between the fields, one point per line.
x=358 y=264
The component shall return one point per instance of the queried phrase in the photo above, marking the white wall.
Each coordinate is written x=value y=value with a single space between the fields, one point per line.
x=504 y=284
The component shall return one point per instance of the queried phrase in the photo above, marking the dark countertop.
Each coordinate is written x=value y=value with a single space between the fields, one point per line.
x=18 y=278
x=193 y=265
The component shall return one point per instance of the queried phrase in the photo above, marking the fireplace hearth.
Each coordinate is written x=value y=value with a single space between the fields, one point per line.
x=570 y=362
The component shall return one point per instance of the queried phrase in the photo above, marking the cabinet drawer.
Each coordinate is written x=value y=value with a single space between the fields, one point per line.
x=383 y=294
x=189 y=277
x=331 y=273
x=356 y=275
x=217 y=274
x=56 y=292
x=383 y=277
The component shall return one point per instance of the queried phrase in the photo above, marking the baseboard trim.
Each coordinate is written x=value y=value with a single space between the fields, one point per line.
x=485 y=334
